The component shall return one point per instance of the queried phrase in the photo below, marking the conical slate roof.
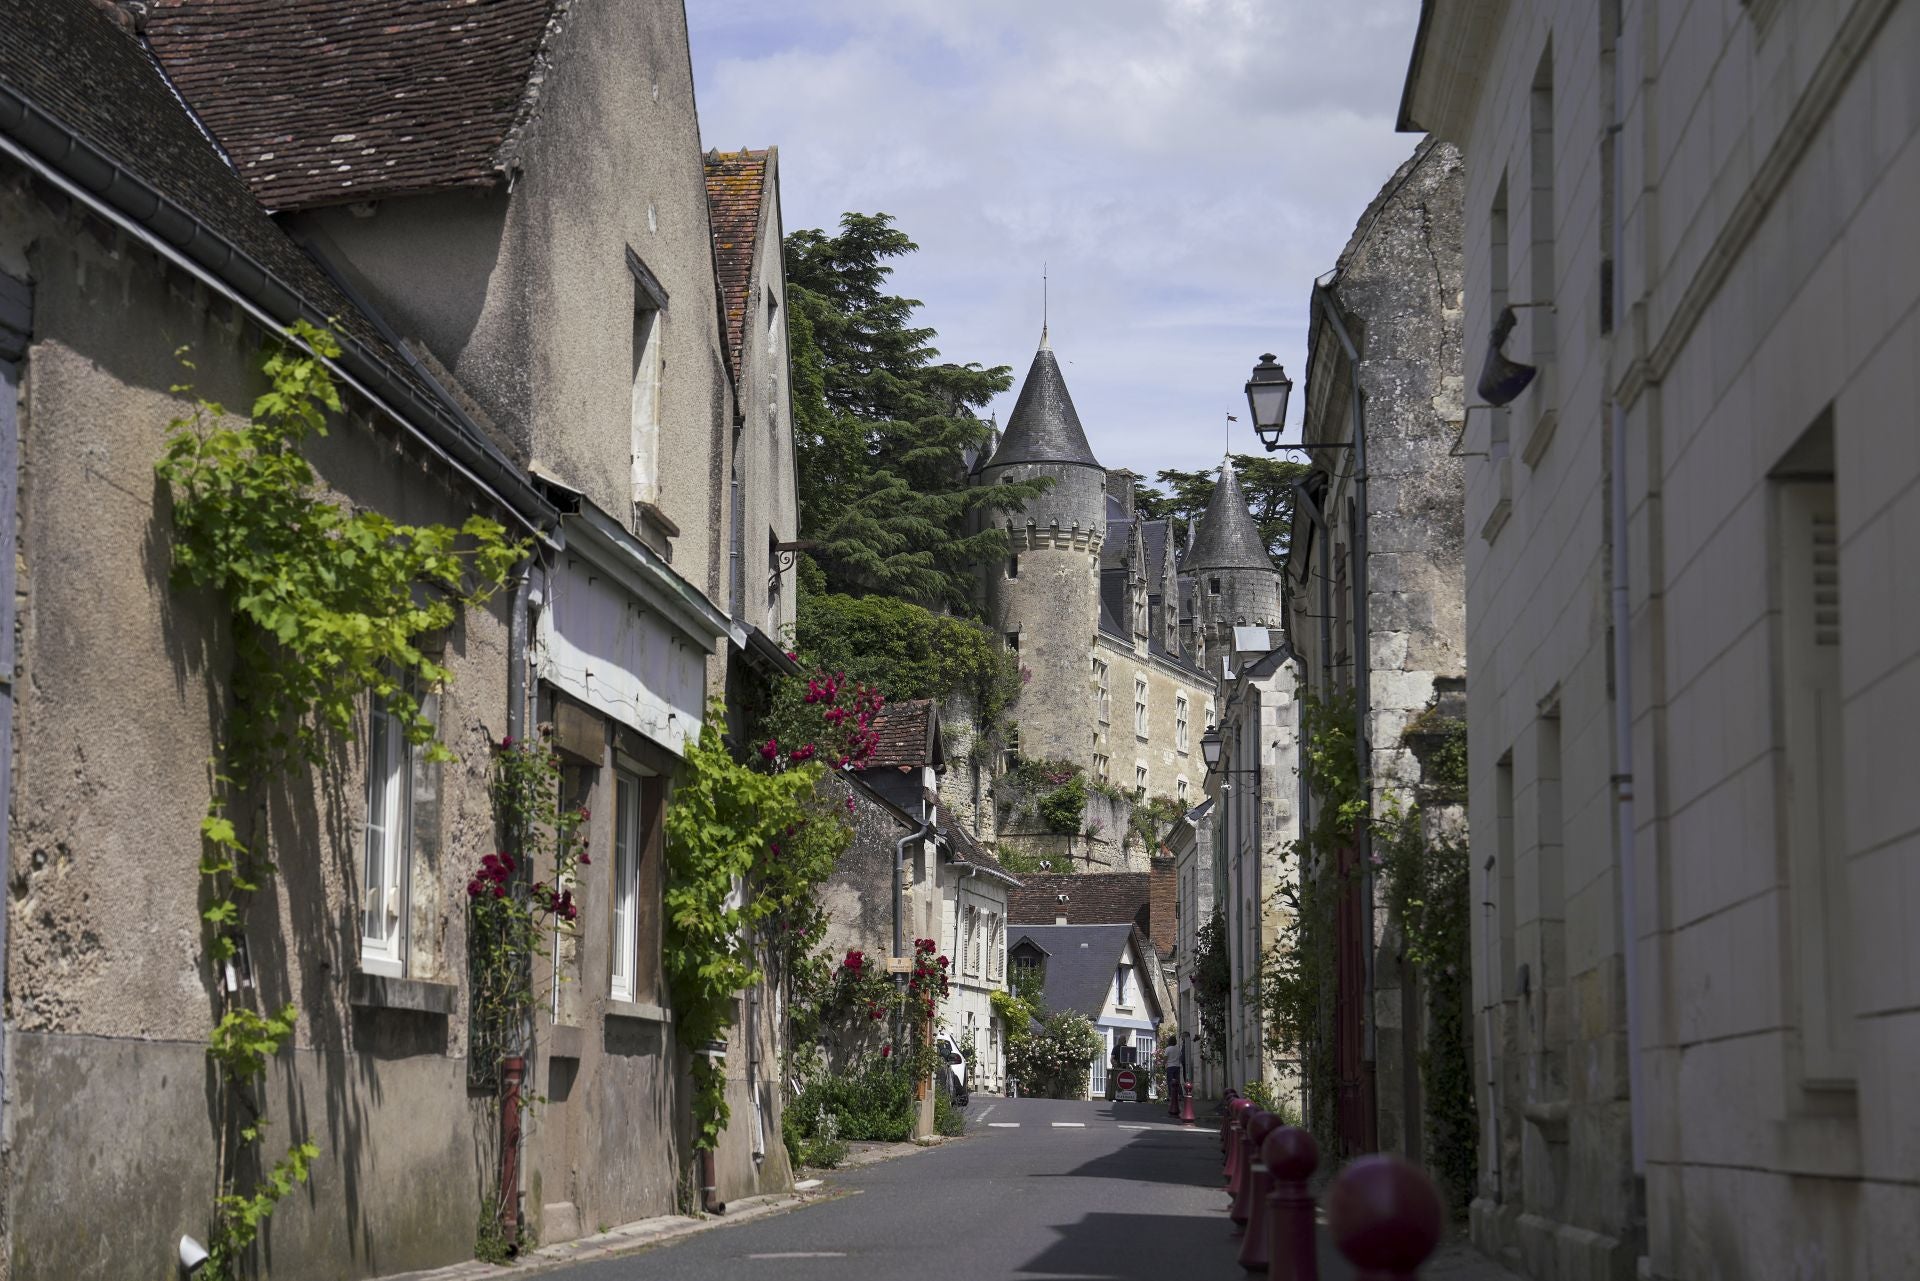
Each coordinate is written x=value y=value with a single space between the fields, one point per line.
x=1228 y=538
x=1044 y=427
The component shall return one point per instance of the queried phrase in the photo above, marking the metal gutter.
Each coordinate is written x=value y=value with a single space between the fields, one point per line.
x=42 y=143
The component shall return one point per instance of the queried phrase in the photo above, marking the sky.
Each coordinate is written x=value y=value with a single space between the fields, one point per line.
x=1182 y=169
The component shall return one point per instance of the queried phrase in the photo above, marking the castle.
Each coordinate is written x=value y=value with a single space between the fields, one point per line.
x=1113 y=622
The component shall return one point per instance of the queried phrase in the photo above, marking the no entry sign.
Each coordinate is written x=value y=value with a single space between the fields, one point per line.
x=1124 y=1082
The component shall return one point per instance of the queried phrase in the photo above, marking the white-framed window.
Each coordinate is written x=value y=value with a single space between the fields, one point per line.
x=1180 y=789
x=1101 y=764
x=628 y=835
x=1123 y=989
x=1103 y=691
x=969 y=939
x=996 y=947
x=388 y=845
x=1209 y=713
x=1180 y=723
x=1140 y=777
x=1140 y=610
x=1097 y=1079
x=649 y=323
x=1139 y=707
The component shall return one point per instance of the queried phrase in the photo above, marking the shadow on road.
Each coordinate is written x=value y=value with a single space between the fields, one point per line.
x=1122 y=1247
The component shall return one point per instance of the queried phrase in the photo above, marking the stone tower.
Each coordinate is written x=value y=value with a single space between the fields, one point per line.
x=1235 y=583
x=1045 y=599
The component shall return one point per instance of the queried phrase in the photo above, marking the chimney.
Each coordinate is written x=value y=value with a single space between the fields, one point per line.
x=1060 y=912
x=1162 y=894
x=1120 y=487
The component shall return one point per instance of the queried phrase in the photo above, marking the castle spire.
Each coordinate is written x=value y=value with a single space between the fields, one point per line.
x=1228 y=537
x=1044 y=426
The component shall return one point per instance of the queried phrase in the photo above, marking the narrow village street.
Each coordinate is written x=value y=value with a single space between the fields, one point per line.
x=1038 y=1188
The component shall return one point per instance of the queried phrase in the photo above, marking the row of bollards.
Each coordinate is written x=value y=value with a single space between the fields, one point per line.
x=1383 y=1213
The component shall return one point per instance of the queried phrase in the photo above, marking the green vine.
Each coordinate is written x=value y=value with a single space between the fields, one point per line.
x=775 y=831
x=326 y=605
x=1297 y=973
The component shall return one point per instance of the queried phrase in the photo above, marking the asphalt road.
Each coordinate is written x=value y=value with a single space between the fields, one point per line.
x=1039 y=1188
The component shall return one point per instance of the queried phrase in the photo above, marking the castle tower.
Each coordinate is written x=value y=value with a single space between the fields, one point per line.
x=1045 y=599
x=1235 y=582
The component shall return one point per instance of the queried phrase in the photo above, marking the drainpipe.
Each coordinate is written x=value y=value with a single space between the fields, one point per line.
x=1623 y=820
x=900 y=887
x=1362 y=691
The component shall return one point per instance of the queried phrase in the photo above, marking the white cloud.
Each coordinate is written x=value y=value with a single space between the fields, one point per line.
x=1185 y=168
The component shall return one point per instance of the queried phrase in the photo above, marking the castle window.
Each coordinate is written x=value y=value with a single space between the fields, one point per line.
x=1180 y=723
x=1180 y=790
x=1013 y=642
x=1139 y=707
x=1213 y=587
x=1100 y=767
x=1140 y=779
x=1103 y=694
x=1013 y=567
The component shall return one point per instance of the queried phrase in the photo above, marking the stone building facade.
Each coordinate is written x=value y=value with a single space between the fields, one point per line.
x=1096 y=600
x=1690 y=621
x=1375 y=577
x=462 y=253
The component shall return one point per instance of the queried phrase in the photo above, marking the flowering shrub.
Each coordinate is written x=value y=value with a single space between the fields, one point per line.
x=511 y=917
x=829 y=718
x=1053 y=1060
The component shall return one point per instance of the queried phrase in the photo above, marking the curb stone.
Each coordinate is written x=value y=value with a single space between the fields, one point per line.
x=630 y=1238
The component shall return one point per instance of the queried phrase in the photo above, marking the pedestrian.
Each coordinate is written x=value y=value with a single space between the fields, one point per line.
x=1176 y=1061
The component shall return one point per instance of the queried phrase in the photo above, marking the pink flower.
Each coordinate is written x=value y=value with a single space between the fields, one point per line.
x=770 y=750
x=886 y=1051
x=507 y=741
x=584 y=860
x=473 y=888
x=803 y=752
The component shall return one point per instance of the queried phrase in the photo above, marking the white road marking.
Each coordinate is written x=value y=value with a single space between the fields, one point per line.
x=802 y=1254
x=1069 y=1125
x=1003 y=1125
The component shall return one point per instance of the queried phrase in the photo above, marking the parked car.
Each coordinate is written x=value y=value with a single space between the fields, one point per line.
x=956 y=1068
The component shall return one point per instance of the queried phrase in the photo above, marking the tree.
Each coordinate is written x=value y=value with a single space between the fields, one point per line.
x=884 y=430
x=1268 y=483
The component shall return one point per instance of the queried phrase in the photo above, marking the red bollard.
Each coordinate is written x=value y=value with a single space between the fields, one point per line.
x=1292 y=1247
x=1385 y=1217
x=1231 y=1133
x=1186 y=1107
x=1243 y=1111
x=1226 y=1119
x=1258 y=1125
x=1253 y=1247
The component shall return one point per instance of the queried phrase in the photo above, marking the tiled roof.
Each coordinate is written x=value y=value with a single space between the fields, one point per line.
x=73 y=61
x=967 y=850
x=1092 y=898
x=736 y=186
x=906 y=733
x=320 y=102
x=1229 y=538
x=1044 y=426
x=1081 y=959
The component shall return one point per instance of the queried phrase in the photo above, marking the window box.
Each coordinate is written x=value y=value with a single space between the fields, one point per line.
x=638 y=1012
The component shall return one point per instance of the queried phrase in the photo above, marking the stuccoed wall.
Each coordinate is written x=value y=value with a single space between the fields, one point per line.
x=120 y=682
x=526 y=297
x=765 y=447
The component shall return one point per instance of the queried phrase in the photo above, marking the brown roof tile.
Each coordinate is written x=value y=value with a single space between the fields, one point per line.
x=1092 y=898
x=906 y=735
x=321 y=102
x=736 y=187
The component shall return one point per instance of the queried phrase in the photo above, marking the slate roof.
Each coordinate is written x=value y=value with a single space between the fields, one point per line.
x=1093 y=898
x=73 y=61
x=1080 y=963
x=320 y=102
x=966 y=851
x=1156 y=535
x=736 y=188
x=1229 y=538
x=1116 y=611
x=1044 y=426
x=906 y=731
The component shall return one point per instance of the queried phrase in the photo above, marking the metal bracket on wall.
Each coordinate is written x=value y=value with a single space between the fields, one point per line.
x=784 y=557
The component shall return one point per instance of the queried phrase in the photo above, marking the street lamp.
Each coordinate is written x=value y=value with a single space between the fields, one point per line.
x=1267 y=392
x=1210 y=748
